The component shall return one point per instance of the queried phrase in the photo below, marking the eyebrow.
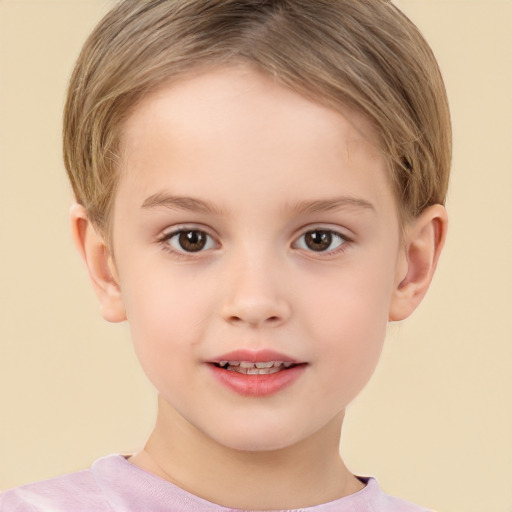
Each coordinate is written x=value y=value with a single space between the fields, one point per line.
x=161 y=199
x=337 y=203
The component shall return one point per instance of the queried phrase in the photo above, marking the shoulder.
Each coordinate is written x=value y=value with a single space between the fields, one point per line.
x=75 y=492
x=386 y=502
x=373 y=499
x=394 y=504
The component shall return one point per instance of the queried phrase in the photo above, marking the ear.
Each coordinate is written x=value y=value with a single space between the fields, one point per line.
x=423 y=241
x=100 y=264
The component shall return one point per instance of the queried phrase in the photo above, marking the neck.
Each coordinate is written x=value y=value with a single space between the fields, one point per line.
x=302 y=475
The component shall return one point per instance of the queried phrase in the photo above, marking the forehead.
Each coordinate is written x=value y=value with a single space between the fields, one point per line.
x=203 y=93
x=242 y=128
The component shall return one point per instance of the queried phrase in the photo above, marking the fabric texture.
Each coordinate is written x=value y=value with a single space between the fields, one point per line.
x=113 y=484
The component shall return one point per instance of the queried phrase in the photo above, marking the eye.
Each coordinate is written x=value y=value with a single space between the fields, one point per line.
x=190 y=240
x=320 y=240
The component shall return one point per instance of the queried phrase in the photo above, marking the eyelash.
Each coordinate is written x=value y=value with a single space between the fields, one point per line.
x=165 y=239
x=182 y=254
x=343 y=240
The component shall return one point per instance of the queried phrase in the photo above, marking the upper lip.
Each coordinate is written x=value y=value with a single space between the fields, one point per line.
x=254 y=356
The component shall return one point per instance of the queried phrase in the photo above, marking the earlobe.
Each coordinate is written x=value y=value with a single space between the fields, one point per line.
x=424 y=240
x=99 y=263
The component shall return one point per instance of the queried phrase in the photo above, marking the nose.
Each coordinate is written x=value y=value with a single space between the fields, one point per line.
x=255 y=295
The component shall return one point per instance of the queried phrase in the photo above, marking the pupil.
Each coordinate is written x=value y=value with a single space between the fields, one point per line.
x=192 y=241
x=318 y=240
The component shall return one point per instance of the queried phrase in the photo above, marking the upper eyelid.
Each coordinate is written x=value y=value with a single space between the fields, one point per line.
x=170 y=231
x=331 y=231
x=338 y=230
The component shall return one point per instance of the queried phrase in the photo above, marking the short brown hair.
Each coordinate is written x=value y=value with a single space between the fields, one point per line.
x=365 y=54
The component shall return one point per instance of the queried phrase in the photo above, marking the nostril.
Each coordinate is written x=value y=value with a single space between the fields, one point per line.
x=254 y=321
x=255 y=312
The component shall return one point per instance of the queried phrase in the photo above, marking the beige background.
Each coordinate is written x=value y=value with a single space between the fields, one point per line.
x=435 y=423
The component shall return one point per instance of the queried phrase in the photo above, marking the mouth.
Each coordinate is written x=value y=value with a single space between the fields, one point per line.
x=256 y=368
x=256 y=374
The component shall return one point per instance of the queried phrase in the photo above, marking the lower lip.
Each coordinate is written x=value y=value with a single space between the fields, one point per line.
x=258 y=385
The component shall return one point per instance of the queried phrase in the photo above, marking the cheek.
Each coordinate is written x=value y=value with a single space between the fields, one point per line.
x=158 y=300
x=354 y=340
x=350 y=325
x=351 y=302
x=166 y=321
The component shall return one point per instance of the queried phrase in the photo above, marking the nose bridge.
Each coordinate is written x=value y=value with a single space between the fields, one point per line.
x=255 y=293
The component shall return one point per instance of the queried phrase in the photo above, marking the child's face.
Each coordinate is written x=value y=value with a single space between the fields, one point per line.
x=249 y=219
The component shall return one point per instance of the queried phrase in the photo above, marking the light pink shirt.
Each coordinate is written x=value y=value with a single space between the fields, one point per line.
x=115 y=485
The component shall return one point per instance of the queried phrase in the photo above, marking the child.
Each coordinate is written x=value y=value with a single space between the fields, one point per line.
x=259 y=190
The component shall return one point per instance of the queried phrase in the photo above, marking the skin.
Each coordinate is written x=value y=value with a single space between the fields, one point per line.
x=270 y=166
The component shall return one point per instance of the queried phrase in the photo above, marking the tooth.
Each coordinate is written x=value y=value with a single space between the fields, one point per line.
x=264 y=365
x=259 y=368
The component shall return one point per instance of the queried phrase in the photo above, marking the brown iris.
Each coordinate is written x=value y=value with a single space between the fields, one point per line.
x=318 y=240
x=192 y=241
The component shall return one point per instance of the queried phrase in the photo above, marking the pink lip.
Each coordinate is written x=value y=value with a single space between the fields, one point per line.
x=253 y=356
x=256 y=385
